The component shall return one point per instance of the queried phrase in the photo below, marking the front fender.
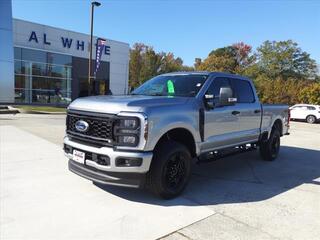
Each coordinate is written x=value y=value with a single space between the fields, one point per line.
x=158 y=128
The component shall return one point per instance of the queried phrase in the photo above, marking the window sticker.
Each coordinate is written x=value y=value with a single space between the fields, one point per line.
x=170 y=87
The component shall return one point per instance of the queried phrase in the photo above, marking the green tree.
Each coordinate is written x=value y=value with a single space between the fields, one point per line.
x=135 y=64
x=310 y=94
x=231 y=59
x=285 y=59
x=279 y=90
x=146 y=63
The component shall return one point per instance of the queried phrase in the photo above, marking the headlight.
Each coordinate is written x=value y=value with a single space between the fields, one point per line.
x=129 y=123
x=127 y=131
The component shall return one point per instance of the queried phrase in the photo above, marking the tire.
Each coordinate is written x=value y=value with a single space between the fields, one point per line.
x=170 y=169
x=269 y=149
x=311 y=119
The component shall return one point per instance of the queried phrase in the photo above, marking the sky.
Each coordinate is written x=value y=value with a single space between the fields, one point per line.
x=189 y=28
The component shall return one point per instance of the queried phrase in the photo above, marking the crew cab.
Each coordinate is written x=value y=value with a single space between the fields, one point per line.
x=150 y=137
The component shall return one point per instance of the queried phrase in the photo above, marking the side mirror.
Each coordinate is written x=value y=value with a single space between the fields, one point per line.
x=209 y=100
x=226 y=97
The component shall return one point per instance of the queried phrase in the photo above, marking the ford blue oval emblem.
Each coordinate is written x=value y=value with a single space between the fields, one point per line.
x=82 y=126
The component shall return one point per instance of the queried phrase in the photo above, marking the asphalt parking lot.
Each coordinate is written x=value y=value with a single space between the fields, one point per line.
x=239 y=197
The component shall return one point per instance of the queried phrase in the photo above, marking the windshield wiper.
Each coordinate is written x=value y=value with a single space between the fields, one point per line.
x=157 y=94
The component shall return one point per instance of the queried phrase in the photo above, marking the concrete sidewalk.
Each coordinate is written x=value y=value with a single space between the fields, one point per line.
x=41 y=199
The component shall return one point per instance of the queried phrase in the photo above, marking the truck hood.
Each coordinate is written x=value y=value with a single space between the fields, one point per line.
x=126 y=103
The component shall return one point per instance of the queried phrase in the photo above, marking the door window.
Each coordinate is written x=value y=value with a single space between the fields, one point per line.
x=243 y=91
x=215 y=86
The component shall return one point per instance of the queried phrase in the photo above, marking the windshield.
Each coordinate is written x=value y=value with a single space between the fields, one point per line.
x=175 y=85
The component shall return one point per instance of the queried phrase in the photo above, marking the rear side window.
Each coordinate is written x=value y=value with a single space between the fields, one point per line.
x=243 y=91
x=311 y=108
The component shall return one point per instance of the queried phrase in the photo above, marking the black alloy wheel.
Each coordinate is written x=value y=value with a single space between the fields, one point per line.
x=270 y=148
x=174 y=172
x=170 y=169
x=275 y=145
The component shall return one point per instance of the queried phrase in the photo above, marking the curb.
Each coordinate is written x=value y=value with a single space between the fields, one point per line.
x=8 y=110
x=41 y=112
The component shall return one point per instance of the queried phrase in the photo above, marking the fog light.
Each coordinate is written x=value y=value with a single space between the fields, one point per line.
x=103 y=160
x=128 y=162
x=67 y=148
x=127 y=140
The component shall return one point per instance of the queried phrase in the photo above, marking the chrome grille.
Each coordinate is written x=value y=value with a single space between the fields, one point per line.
x=100 y=127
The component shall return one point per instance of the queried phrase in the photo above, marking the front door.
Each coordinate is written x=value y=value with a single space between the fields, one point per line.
x=221 y=122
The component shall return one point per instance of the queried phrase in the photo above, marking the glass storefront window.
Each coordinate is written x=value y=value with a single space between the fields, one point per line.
x=21 y=95
x=42 y=77
x=21 y=67
x=50 y=97
x=21 y=81
x=17 y=67
x=59 y=71
x=39 y=69
x=59 y=59
x=33 y=55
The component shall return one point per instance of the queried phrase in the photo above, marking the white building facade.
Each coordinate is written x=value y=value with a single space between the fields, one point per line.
x=51 y=65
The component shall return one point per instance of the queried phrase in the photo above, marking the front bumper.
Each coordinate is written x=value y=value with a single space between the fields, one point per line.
x=111 y=173
x=135 y=180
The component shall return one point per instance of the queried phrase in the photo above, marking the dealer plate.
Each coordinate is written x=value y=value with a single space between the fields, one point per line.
x=78 y=156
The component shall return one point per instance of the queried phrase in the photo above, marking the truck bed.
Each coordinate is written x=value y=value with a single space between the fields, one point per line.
x=270 y=112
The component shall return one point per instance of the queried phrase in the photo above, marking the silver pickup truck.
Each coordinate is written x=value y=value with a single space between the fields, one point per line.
x=150 y=137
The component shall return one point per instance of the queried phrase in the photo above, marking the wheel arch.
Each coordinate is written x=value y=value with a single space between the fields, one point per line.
x=279 y=125
x=181 y=135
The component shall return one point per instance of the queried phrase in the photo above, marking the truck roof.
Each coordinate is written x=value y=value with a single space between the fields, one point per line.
x=222 y=74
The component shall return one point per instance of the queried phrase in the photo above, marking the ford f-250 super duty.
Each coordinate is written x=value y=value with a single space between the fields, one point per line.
x=150 y=137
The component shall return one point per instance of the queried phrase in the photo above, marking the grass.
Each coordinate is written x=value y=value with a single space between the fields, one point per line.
x=41 y=108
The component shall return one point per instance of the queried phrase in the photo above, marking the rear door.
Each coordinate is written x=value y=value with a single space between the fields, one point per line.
x=249 y=108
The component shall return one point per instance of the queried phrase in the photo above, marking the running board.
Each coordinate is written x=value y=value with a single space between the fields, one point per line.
x=218 y=154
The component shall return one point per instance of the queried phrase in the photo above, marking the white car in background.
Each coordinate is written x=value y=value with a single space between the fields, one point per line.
x=308 y=112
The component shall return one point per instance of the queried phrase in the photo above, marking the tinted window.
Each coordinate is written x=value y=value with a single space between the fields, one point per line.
x=243 y=91
x=215 y=87
x=311 y=108
x=33 y=55
x=60 y=59
x=217 y=84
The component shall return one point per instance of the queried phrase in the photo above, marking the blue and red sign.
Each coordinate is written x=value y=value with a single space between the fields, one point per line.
x=99 y=50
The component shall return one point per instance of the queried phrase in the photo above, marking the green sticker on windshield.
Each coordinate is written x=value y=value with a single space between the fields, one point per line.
x=170 y=87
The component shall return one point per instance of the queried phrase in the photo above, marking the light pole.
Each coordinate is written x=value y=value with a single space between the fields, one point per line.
x=93 y=4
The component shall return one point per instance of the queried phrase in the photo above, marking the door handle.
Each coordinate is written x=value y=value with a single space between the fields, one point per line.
x=257 y=111
x=235 y=112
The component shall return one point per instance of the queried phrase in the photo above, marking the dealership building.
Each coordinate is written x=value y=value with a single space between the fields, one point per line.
x=40 y=64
